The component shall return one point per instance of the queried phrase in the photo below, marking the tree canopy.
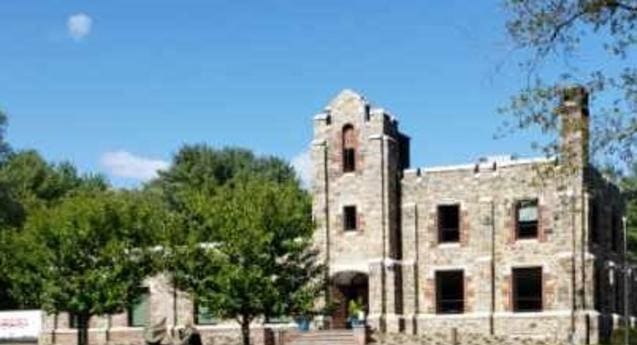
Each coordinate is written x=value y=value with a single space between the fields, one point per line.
x=242 y=248
x=29 y=184
x=90 y=253
x=554 y=31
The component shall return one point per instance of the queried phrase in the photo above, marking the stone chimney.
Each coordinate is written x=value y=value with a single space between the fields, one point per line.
x=575 y=127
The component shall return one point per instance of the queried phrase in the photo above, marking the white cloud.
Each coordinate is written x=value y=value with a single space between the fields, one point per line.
x=79 y=26
x=303 y=166
x=127 y=165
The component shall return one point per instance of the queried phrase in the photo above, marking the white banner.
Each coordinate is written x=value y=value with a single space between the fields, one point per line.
x=20 y=324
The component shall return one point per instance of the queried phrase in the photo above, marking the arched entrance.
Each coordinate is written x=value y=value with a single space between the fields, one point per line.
x=348 y=288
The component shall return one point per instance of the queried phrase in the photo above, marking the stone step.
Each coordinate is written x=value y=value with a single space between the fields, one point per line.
x=330 y=337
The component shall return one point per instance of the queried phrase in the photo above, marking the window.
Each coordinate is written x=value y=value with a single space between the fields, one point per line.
x=526 y=217
x=203 y=316
x=597 y=285
x=615 y=231
x=527 y=289
x=593 y=221
x=448 y=223
x=450 y=292
x=349 y=149
x=74 y=320
x=349 y=218
x=139 y=312
x=617 y=303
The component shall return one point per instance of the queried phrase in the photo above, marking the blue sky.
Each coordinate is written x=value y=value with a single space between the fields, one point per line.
x=120 y=85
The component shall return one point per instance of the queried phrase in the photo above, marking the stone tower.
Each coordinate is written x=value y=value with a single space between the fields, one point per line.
x=358 y=155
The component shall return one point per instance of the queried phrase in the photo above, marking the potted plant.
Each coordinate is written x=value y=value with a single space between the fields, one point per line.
x=356 y=313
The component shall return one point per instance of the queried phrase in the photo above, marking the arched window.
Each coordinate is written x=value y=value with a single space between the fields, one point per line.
x=349 y=149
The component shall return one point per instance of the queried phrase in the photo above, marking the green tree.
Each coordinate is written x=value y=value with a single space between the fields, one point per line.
x=254 y=257
x=201 y=168
x=29 y=184
x=553 y=31
x=4 y=146
x=242 y=244
x=92 y=252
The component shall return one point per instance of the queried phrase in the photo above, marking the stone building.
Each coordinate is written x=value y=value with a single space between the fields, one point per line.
x=489 y=248
x=496 y=247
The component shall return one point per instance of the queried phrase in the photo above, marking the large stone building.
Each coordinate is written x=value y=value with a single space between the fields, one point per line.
x=483 y=247
x=492 y=247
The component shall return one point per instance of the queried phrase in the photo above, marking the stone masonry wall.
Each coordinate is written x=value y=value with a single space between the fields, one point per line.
x=487 y=195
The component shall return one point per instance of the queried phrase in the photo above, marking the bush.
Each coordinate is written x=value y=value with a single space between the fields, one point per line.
x=617 y=338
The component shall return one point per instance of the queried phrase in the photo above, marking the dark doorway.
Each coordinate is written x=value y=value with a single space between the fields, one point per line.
x=348 y=288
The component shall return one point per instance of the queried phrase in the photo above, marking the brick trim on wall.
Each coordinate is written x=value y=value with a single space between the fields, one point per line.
x=464 y=227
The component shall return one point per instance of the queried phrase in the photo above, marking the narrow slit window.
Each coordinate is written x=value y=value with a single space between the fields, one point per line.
x=615 y=232
x=527 y=219
x=349 y=149
x=527 y=289
x=349 y=218
x=597 y=281
x=450 y=292
x=448 y=223
x=593 y=222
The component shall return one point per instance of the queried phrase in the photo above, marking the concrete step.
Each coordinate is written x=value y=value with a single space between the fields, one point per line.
x=328 y=337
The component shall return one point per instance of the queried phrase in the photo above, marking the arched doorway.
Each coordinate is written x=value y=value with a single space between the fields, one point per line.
x=348 y=287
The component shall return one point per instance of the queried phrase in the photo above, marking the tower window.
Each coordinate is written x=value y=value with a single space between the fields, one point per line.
x=349 y=218
x=349 y=149
x=450 y=292
x=448 y=223
x=527 y=289
x=526 y=219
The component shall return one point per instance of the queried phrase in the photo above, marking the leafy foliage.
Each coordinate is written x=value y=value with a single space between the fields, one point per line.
x=243 y=244
x=88 y=254
x=29 y=184
x=547 y=29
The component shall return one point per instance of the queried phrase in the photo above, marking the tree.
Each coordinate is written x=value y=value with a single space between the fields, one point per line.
x=201 y=168
x=28 y=184
x=254 y=258
x=4 y=146
x=92 y=250
x=242 y=244
x=552 y=29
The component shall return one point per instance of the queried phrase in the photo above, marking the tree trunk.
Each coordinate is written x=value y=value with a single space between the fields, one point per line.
x=82 y=329
x=245 y=330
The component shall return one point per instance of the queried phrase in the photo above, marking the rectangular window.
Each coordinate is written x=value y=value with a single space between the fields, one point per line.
x=615 y=232
x=597 y=285
x=349 y=218
x=448 y=223
x=203 y=316
x=593 y=221
x=617 y=303
x=526 y=219
x=74 y=320
x=139 y=312
x=527 y=289
x=450 y=292
x=349 y=160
